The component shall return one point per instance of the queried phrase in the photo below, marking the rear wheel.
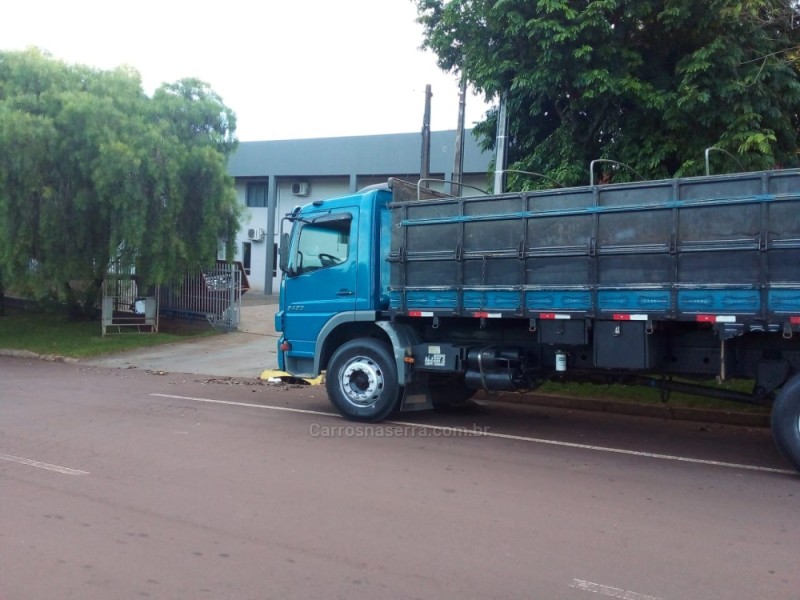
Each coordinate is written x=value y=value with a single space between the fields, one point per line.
x=362 y=380
x=785 y=421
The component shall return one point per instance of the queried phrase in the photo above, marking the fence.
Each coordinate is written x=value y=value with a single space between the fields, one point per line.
x=215 y=295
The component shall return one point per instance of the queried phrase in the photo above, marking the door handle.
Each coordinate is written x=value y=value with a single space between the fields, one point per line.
x=344 y=292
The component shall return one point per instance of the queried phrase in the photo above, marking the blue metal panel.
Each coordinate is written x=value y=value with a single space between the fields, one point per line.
x=558 y=300
x=395 y=299
x=491 y=300
x=647 y=300
x=502 y=300
x=736 y=301
x=473 y=300
x=431 y=299
x=784 y=301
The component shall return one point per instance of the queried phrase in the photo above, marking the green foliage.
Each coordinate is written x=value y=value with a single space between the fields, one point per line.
x=94 y=172
x=651 y=83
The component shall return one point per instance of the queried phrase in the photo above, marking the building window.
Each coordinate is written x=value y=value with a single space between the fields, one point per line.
x=256 y=195
x=246 y=252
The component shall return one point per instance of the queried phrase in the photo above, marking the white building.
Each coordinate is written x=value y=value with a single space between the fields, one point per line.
x=272 y=177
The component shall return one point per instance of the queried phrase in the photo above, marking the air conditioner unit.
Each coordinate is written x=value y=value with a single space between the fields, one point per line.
x=255 y=234
x=300 y=188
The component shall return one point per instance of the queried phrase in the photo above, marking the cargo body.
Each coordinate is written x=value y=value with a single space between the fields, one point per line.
x=431 y=299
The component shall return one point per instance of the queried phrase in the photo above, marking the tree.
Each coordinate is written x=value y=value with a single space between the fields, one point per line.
x=651 y=83
x=94 y=172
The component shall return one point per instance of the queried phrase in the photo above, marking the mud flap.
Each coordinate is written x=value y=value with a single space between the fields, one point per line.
x=416 y=397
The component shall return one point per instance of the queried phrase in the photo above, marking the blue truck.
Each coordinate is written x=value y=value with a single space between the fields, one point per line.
x=409 y=299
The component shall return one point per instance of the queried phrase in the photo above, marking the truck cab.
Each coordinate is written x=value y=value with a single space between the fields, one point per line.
x=334 y=280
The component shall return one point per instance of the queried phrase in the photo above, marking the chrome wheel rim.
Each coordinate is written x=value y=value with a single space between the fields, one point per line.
x=362 y=381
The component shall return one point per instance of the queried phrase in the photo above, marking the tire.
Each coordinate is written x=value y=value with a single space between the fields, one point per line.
x=361 y=380
x=785 y=421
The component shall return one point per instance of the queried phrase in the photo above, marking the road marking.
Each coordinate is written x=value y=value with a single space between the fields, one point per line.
x=502 y=436
x=248 y=405
x=42 y=465
x=521 y=438
x=607 y=590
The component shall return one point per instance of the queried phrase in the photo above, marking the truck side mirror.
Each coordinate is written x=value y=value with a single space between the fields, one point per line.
x=283 y=253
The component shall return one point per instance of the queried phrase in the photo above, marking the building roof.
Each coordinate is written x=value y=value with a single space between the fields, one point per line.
x=360 y=155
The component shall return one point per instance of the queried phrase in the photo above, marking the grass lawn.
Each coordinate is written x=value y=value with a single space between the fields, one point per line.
x=54 y=334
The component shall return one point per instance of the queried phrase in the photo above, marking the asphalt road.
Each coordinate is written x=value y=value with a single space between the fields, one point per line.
x=117 y=483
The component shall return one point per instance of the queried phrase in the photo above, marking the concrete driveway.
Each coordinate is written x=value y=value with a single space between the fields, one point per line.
x=245 y=353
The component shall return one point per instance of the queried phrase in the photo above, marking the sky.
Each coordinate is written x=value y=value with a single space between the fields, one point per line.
x=289 y=69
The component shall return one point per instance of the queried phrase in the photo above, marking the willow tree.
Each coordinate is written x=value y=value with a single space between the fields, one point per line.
x=94 y=172
x=651 y=83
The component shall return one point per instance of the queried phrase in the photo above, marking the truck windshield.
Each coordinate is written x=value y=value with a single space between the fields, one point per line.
x=321 y=245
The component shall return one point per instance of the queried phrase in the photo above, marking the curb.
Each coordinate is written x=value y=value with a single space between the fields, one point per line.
x=658 y=411
x=34 y=355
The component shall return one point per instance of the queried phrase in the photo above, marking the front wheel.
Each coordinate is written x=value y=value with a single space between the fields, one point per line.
x=785 y=421
x=362 y=380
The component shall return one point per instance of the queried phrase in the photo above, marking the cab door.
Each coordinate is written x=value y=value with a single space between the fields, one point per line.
x=320 y=283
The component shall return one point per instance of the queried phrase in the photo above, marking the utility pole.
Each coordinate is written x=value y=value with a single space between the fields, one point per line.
x=458 y=166
x=425 y=169
x=501 y=146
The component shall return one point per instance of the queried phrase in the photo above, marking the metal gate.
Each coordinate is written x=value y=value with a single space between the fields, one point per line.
x=214 y=295
x=125 y=307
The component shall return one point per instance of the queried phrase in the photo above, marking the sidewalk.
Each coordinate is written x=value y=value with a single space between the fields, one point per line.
x=245 y=353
